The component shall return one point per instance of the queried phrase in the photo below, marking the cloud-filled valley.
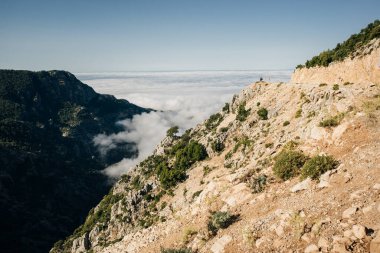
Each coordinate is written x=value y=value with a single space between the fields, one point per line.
x=183 y=99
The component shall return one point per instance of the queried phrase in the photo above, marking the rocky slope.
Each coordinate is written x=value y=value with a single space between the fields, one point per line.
x=49 y=168
x=363 y=68
x=356 y=60
x=337 y=212
x=284 y=167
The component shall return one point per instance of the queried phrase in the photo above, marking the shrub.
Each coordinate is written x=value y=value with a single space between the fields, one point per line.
x=311 y=114
x=172 y=131
x=226 y=108
x=196 y=194
x=213 y=121
x=257 y=184
x=318 y=165
x=217 y=146
x=242 y=113
x=263 y=113
x=322 y=84
x=332 y=121
x=220 y=220
x=243 y=141
x=288 y=163
x=188 y=234
x=171 y=250
x=269 y=145
x=298 y=113
x=286 y=123
x=207 y=169
x=336 y=87
x=223 y=129
x=228 y=155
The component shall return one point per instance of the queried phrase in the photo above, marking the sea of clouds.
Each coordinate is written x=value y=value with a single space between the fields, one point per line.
x=181 y=99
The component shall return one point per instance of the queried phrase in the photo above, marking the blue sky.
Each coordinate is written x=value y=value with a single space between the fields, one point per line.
x=143 y=35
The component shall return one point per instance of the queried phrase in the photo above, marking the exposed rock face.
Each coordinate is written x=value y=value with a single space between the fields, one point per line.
x=240 y=180
x=364 y=69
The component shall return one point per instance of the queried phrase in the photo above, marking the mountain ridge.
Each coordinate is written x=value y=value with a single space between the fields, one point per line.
x=51 y=171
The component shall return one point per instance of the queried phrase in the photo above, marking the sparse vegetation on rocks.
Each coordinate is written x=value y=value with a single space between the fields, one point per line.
x=347 y=48
x=332 y=121
x=263 y=113
x=298 y=113
x=172 y=250
x=242 y=113
x=257 y=184
x=217 y=146
x=214 y=121
x=219 y=220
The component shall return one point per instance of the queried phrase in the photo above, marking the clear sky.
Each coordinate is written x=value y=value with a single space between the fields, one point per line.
x=143 y=35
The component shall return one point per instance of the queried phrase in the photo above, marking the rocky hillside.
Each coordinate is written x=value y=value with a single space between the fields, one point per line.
x=50 y=170
x=287 y=168
x=283 y=167
x=356 y=60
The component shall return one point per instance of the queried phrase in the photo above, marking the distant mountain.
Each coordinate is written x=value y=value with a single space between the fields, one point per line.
x=49 y=168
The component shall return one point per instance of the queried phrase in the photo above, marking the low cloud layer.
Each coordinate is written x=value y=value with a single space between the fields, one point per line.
x=185 y=99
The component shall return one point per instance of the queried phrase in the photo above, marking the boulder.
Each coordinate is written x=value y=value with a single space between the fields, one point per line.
x=220 y=244
x=312 y=248
x=358 y=231
x=349 y=212
x=304 y=185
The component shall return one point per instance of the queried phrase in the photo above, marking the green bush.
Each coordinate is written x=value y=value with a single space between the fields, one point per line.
x=213 y=121
x=332 y=121
x=223 y=129
x=226 y=108
x=288 y=163
x=172 y=132
x=318 y=165
x=322 y=84
x=335 y=87
x=242 y=113
x=171 y=250
x=219 y=220
x=263 y=113
x=257 y=184
x=185 y=154
x=217 y=146
x=286 y=123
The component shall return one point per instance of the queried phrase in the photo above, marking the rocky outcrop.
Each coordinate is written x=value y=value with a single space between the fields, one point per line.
x=363 y=68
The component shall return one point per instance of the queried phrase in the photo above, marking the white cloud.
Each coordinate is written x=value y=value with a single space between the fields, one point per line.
x=185 y=99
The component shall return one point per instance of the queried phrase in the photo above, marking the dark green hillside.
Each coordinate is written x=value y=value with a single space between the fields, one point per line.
x=347 y=48
x=49 y=167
